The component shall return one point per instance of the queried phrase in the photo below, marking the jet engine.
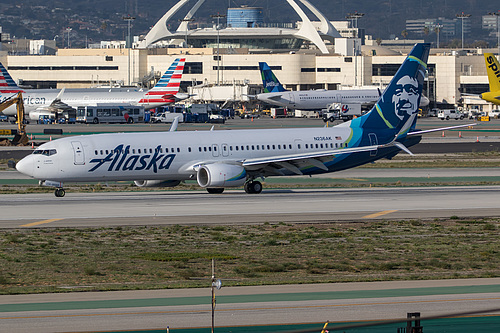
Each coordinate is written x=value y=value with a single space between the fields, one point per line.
x=157 y=183
x=221 y=175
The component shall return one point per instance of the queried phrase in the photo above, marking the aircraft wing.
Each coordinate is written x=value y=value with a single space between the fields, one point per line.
x=291 y=162
x=57 y=104
x=294 y=161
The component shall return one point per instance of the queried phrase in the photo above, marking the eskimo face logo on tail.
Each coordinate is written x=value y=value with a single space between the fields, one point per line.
x=120 y=159
x=405 y=98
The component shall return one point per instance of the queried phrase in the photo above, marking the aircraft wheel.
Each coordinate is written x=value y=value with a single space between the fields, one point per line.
x=253 y=187
x=215 y=190
x=257 y=187
x=59 y=192
x=248 y=188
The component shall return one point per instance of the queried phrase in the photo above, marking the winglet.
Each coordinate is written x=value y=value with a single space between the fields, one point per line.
x=59 y=96
x=174 y=125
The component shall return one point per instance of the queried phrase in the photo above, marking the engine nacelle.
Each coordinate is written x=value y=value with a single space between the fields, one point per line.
x=157 y=183
x=35 y=115
x=221 y=175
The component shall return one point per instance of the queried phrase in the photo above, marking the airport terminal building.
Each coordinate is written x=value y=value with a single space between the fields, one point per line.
x=308 y=55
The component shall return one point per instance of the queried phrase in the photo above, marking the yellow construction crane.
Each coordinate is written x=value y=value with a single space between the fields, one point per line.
x=20 y=138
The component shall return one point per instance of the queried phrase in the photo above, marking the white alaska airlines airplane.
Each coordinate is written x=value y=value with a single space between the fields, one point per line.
x=275 y=94
x=220 y=159
x=49 y=101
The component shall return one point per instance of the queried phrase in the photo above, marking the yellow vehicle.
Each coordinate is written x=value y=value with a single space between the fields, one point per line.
x=20 y=137
x=483 y=118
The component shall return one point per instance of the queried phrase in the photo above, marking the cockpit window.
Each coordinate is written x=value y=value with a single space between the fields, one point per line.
x=45 y=152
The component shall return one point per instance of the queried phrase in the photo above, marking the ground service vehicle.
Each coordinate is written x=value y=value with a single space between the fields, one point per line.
x=167 y=117
x=103 y=113
x=343 y=112
x=450 y=114
x=278 y=112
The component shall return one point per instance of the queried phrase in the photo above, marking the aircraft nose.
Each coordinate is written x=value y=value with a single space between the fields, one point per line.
x=25 y=166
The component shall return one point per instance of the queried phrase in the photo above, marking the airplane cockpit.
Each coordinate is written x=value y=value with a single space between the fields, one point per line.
x=45 y=152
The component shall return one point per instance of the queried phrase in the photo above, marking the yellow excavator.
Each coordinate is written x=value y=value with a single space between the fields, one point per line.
x=20 y=137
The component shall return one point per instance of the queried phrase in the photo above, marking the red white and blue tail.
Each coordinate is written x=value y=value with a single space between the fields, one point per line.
x=168 y=86
x=7 y=84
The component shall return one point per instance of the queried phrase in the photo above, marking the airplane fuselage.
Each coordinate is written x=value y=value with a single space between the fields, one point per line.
x=318 y=99
x=178 y=155
x=42 y=98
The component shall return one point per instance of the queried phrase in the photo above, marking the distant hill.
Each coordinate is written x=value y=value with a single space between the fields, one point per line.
x=92 y=20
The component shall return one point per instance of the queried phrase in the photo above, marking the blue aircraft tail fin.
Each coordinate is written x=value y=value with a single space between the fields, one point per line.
x=400 y=100
x=269 y=80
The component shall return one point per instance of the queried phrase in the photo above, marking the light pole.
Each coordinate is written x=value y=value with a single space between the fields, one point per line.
x=216 y=284
x=497 y=15
x=68 y=30
x=218 y=17
x=437 y=28
x=187 y=26
x=354 y=17
x=463 y=16
x=128 y=43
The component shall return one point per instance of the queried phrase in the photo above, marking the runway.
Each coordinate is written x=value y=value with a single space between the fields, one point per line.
x=235 y=206
x=242 y=306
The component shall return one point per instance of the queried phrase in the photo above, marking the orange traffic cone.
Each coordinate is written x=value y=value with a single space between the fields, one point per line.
x=477 y=140
x=459 y=134
x=442 y=134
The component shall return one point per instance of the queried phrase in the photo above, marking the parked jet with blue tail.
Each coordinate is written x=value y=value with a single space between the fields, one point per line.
x=275 y=94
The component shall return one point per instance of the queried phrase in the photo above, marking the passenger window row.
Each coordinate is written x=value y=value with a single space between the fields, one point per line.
x=224 y=147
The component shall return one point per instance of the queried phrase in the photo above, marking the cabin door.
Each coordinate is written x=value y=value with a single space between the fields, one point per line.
x=373 y=142
x=78 y=154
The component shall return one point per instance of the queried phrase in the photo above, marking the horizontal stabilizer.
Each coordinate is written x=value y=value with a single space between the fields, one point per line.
x=440 y=129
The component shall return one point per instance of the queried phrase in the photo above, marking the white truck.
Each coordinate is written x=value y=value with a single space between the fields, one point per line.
x=167 y=117
x=339 y=111
x=450 y=114
x=212 y=110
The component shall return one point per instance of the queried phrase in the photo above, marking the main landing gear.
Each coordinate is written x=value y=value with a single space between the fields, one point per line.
x=253 y=187
x=59 y=192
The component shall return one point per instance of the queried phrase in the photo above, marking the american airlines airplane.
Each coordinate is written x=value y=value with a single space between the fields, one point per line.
x=49 y=101
x=275 y=94
x=222 y=159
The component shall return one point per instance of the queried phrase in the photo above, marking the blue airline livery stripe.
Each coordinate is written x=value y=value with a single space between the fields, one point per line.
x=238 y=177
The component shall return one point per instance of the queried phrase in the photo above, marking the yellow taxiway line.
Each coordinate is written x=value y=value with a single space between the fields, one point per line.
x=385 y=212
x=40 y=222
